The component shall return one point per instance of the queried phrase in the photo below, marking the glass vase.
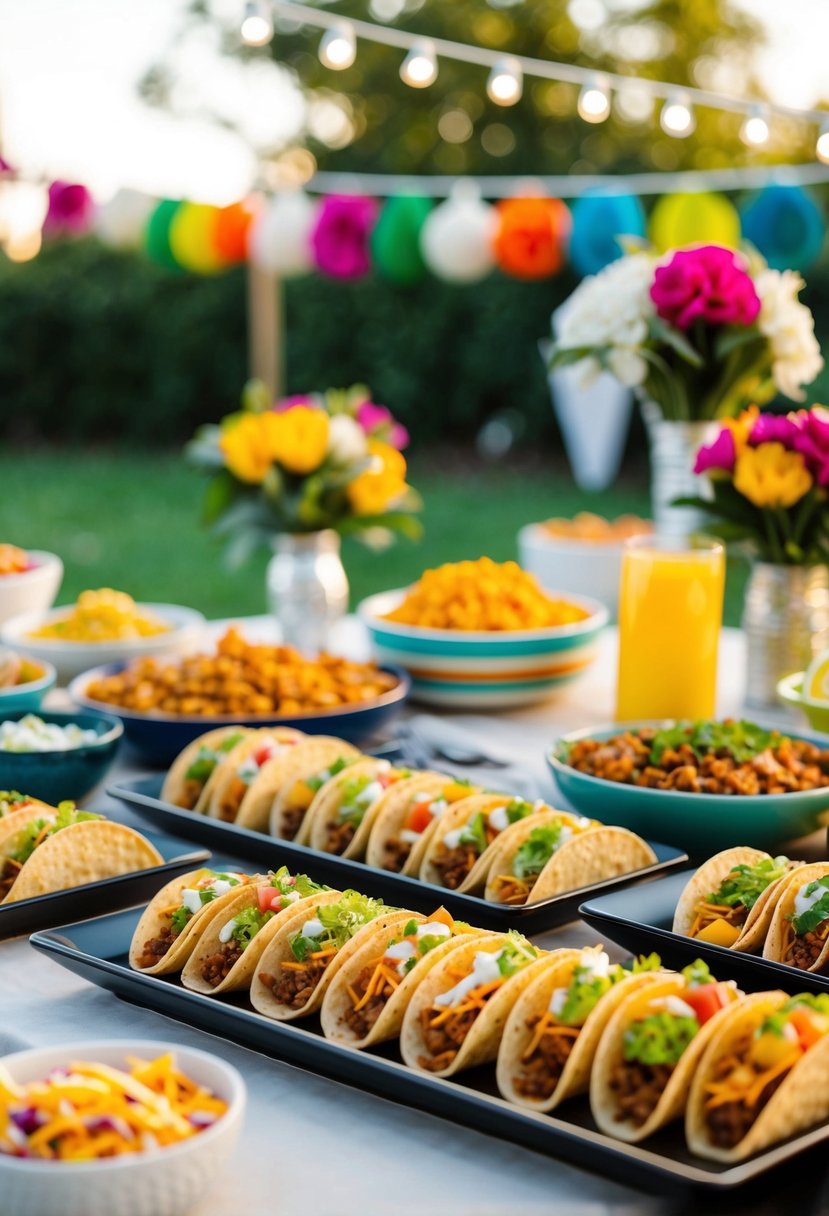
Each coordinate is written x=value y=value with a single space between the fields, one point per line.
x=786 y=622
x=673 y=449
x=307 y=588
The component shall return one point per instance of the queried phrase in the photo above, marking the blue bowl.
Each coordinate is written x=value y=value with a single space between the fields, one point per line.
x=72 y=774
x=697 y=823
x=28 y=697
x=160 y=737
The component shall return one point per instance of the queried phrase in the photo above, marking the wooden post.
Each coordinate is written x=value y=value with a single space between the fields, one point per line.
x=266 y=336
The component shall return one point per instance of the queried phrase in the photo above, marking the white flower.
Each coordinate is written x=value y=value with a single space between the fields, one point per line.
x=347 y=441
x=628 y=367
x=611 y=310
x=790 y=329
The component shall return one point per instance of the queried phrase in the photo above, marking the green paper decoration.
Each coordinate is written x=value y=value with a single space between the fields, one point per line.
x=157 y=233
x=395 y=242
x=192 y=238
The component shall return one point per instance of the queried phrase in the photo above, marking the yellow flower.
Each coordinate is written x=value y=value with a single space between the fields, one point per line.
x=771 y=476
x=383 y=483
x=300 y=438
x=248 y=446
x=742 y=426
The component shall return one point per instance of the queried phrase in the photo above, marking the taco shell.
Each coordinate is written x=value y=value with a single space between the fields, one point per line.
x=391 y=819
x=80 y=853
x=323 y=814
x=709 y=877
x=306 y=760
x=155 y=914
x=780 y=927
x=247 y=803
x=175 y=791
x=11 y=824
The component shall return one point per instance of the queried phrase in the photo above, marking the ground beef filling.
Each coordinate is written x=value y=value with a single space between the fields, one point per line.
x=638 y=1088
x=217 y=967
x=156 y=947
x=444 y=1041
x=8 y=874
x=294 y=987
x=362 y=1020
x=340 y=836
x=729 y=1122
x=542 y=1072
x=455 y=864
x=190 y=794
x=292 y=819
x=397 y=853
x=805 y=948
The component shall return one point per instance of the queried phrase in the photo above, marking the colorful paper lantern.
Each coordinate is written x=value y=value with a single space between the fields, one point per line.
x=786 y=225
x=121 y=222
x=70 y=211
x=457 y=237
x=529 y=242
x=192 y=238
x=341 y=235
x=395 y=241
x=280 y=236
x=231 y=228
x=694 y=219
x=157 y=233
x=598 y=220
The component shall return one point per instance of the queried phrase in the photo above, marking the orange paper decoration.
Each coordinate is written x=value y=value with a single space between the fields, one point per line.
x=529 y=243
x=230 y=232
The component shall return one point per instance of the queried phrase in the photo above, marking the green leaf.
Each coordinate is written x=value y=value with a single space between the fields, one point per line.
x=660 y=1038
x=222 y=490
x=744 y=884
x=676 y=340
x=532 y=856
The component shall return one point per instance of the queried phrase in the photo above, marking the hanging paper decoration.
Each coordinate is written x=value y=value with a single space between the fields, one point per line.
x=157 y=233
x=191 y=238
x=395 y=241
x=70 y=212
x=598 y=220
x=280 y=236
x=121 y=222
x=529 y=241
x=231 y=228
x=786 y=225
x=341 y=235
x=694 y=219
x=456 y=239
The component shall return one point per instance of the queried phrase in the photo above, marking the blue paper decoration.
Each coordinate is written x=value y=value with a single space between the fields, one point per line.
x=786 y=225
x=598 y=219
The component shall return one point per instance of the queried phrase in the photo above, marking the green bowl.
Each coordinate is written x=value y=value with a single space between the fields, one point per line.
x=790 y=690
x=701 y=824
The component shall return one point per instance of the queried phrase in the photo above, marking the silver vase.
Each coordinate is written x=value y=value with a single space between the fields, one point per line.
x=786 y=622
x=673 y=449
x=307 y=588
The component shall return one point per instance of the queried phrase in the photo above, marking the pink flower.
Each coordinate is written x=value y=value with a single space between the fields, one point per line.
x=340 y=239
x=720 y=456
x=375 y=419
x=288 y=403
x=813 y=442
x=775 y=428
x=70 y=212
x=706 y=283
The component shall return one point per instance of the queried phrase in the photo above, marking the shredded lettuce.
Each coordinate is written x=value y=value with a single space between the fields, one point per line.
x=516 y=954
x=697 y=973
x=340 y=921
x=207 y=758
x=247 y=924
x=26 y=839
x=182 y=915
x=745 y=884
x=660 y=1038
x=285 y=882
x=475 y=833
x=532 y=856
x=319 y=779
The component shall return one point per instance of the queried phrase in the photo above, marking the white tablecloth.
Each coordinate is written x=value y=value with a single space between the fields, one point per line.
x=313 y=1147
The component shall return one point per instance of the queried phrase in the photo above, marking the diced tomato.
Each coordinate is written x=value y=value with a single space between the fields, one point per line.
x=419 y=818
x=264 y=753
x=807 y=1026
x=387 y=778
x=708 y=999
x=270 y=900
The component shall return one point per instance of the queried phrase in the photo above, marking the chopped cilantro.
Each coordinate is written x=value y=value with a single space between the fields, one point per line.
x=742 y=740
x=818 y=912
x=532 y=856
x=247 y=924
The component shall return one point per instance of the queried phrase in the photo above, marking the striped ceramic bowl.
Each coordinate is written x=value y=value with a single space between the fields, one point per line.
x=466 y=670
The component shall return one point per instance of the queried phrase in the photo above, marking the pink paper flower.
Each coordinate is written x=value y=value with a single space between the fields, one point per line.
x=288 y=403
x=775 y=428
x=719 y=456
x=706 y=283
x=70 y=211
x=376 y=419
x=340 y=239
x=813 y=442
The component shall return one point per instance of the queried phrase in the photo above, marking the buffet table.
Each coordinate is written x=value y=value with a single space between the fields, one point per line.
x=313 y=1147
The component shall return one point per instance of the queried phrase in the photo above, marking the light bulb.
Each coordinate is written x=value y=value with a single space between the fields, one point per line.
x=338 y=47
x=420 y=67
x=506 y=81
x=257 y=26
x=755 y=129
x=594 y=102
x=822 y=145
x=677 y=117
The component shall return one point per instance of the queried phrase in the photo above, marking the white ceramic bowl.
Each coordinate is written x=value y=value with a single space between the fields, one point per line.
x=164 y=1183
x=71 y=658
x=572 y=566
x=32 y=590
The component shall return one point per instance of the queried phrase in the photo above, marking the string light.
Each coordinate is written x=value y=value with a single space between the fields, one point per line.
x=822 y=145
x=338 y=47
x=506 y=81
x=420 y=67
x=257 y=25
x=677 y=117
x=594 y=101
x=755 y=129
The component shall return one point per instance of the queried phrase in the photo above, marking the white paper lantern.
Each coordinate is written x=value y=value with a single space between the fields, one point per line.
x=456 y=239
x=280 y=239
x=122 y=220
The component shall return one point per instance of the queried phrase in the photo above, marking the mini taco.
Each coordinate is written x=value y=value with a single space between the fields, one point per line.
x=546 y=855
x=368 y=997
x=190 y=779
x=342 y=815
x=248 y=778
x=408 y=817
x=458 y=1011
x=304 y=957
x=730 y=900
x=303 y=776
x=645 y=1061
x=54 y=850
x=799 y=931
x=170 y=925
x=457 y=855
x=11 y=802
x=556 y=1024
x=231 y=943
x=763 y=1077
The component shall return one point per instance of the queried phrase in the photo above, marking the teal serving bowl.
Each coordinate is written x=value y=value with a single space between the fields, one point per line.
x=71 y=774
x=790 y=690
x=701 y=824
x=27 y=697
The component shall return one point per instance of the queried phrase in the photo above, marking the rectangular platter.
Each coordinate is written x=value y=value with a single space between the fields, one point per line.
x=98 y=949
x=95 y=898
x=641 y=921
x=141 y=795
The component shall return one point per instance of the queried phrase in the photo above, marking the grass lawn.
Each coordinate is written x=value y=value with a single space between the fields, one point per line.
x=131 y=521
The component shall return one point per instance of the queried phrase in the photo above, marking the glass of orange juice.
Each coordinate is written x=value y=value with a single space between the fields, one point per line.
x=670 y=614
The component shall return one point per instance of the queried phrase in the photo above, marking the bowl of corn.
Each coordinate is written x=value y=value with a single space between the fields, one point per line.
x=483 y=635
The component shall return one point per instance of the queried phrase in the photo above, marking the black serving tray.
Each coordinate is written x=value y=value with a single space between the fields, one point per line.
x=141 y=795
x=106 y=895
x=98 y=949
x=641 y=921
